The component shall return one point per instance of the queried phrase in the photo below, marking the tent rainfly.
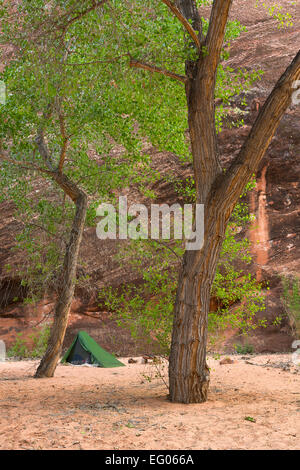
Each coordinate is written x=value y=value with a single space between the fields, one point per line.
x=85 y=350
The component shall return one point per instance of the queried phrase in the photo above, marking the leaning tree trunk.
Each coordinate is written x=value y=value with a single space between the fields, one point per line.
x=67 y=279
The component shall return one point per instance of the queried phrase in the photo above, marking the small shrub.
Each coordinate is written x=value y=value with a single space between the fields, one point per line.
x=19 y=348
x=291 y=298
x=40 y=342
x=244 y=348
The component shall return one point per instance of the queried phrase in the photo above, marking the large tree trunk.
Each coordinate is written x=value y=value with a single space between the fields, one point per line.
x=219 y=192
x=188 y=371
x=67 y=279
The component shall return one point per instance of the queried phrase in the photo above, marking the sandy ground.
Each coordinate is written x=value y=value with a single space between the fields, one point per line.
x=93 y=408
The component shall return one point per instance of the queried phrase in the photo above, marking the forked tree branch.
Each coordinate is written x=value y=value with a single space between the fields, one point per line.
x=70 y=188
x=259 y=138
x=153 y=68
x=175 y=10
x=61 y=179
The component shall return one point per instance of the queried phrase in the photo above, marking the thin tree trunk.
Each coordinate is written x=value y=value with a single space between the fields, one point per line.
x=67 y=278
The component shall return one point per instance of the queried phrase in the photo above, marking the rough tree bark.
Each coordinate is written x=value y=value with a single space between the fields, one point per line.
x=67 y=279
x=219 y=192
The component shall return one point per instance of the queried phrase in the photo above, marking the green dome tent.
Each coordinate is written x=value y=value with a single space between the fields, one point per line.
x=84 y=350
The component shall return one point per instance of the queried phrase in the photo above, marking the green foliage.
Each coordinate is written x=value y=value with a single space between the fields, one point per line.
x=73 y=65
x=244 y=348
x=19 y=348
x=40 y=342
x=88 y=100
x=291 y=298
x=232 y=83
x=147 y=309
x=284 y=18
x=249 y=418
x=233 y=286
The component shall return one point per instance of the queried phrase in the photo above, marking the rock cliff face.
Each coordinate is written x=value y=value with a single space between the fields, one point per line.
x=275 y=201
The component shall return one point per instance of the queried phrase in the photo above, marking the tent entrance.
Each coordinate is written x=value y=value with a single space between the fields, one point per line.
x=79 y=356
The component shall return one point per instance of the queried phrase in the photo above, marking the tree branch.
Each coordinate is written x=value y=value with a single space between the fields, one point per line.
x=31 y=224
x=62 y=180
x=216 y=32
x=70 y=188
x=171 y=5
x=64 y=143
x=259 y=138
x=43 y=150
x=160 y=242
x=22 y=165
x=80 y=15
x=93 y=62
x=153 y=68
